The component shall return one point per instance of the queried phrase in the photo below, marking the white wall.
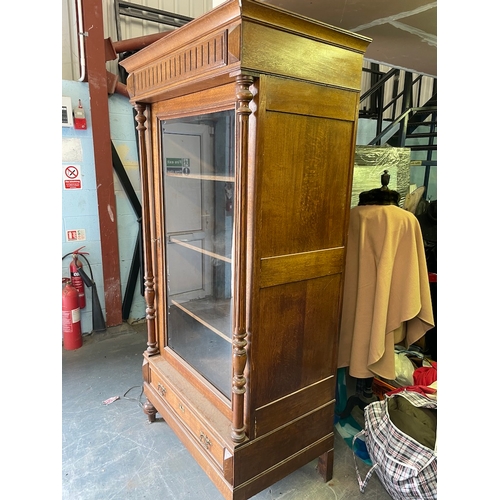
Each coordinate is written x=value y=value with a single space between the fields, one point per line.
x=79 y=205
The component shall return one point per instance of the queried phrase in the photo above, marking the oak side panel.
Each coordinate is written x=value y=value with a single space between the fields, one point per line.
x=298 y=348
x=304 y=170
x=264 y=453
x=283 y=469
x=303 y=175
x=301 y=266
x=293 y=406
x=308 y=99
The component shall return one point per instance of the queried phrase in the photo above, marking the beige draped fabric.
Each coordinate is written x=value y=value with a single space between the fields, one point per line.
x=386 y=292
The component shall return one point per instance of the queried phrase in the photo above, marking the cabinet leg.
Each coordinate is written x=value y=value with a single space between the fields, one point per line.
x=150 y=411
x=325 y=465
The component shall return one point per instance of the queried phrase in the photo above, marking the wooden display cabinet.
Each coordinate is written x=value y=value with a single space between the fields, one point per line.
x=247 y=122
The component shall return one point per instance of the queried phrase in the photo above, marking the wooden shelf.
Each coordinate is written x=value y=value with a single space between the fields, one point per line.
x=214 y=315
x=204 y=177
x=200 y=250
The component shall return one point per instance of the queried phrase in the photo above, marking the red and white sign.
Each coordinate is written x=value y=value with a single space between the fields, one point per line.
x=75 y=235
x=72 y=177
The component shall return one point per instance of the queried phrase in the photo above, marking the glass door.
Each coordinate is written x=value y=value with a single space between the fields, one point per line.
x=198 y=172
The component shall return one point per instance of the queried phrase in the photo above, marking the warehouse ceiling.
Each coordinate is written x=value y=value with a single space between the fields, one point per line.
x=404 y=32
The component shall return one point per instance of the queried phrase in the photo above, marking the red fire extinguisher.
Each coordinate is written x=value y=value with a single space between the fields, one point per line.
x=71 y=325
x=76 y=278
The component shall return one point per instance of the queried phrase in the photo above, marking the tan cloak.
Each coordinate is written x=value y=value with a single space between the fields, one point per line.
x=386 y=292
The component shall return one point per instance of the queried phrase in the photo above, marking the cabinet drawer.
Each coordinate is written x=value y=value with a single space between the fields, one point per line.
x=204 y=437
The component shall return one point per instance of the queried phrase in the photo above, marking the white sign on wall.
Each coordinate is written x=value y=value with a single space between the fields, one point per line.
x=75 y=235
x=72 y=176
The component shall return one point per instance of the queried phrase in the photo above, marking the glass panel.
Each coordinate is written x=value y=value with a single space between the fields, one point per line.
x=198 y=168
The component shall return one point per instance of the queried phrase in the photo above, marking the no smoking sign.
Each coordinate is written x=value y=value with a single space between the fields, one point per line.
x=72 y=177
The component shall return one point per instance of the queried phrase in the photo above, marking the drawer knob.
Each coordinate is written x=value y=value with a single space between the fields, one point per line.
x=205 y=441
x=162 y=389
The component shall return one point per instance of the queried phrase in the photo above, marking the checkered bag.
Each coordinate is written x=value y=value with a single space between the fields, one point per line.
x=406 y=468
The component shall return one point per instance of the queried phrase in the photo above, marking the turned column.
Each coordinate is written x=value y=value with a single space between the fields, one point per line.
x=243 y=111
x=149 y=285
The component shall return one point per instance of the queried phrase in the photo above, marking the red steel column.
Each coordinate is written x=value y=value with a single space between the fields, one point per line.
x=97 y=79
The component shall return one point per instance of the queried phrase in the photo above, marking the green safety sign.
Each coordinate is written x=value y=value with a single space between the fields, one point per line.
x=177 y=165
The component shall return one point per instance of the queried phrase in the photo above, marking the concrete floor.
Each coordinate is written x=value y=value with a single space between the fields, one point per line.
x=112 y=452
